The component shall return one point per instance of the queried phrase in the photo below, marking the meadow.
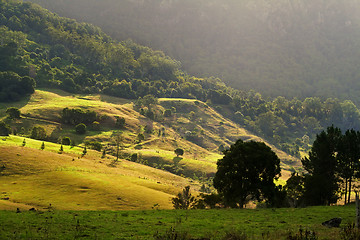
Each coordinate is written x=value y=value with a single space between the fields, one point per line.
x=162 y=224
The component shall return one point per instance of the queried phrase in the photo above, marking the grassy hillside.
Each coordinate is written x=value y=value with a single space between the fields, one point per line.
x=194 y=127
x=31 y=177
x=39 y=177
x=197 y=224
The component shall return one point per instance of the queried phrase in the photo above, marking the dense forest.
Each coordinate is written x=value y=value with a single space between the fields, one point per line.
x=39 y=47
x=300 y=48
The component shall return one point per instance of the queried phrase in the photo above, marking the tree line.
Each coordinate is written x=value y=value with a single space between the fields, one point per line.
x=248 y=171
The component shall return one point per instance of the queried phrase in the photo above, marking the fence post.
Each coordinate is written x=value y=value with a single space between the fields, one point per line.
x=357 y=209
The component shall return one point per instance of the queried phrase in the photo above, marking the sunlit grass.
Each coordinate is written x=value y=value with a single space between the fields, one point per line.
x=212 y=224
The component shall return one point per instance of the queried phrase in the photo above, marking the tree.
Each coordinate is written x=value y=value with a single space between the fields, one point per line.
x=38 y=132
x=5 y=129
x=247 y=171
x=118 y=139
x=66 y=141
x=61 y=149
x=184 y=199
x=42 y=147
x=120 y=122
x=84 y=151
x=348 y=159
x=80 y=128
x=179 y=152
x=13 y=112
x=295 y=189
x=322 y=181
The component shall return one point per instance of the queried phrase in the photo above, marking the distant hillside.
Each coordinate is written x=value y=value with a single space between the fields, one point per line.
x=40 y=49
x=279 y=48
x=199 y=136
x=142 y=177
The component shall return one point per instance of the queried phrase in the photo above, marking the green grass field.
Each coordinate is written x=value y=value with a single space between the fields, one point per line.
x=212 y=224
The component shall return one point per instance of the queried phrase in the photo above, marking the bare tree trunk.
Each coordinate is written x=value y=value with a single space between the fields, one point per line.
x=349 y=190
x=346 y=186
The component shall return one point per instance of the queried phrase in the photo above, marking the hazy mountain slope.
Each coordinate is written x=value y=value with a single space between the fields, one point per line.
x=288 y=48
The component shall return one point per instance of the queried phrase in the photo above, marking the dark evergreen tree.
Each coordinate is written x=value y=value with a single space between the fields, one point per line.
x=322 y=180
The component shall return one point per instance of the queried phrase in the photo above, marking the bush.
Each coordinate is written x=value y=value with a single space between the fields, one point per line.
x=5 y=130
x=80 y=128
x=94 y=145
x=66 y=141
x=179 y=152
x=13 y=112
x=120 y=122
x=38 y=133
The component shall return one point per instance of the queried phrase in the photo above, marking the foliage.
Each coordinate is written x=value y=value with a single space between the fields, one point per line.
x=276 y=48
x=80 y=128
x=247 y=171
x=322 y=181
x=295 y=189
x=179 y=152
x=12 y=86
x=66 y=141
x=38 y=132
x=184 y=199
x=5 y=129
x=120 y=122
x=13 y=112
x=302 y=235
x=94 y=145
x=77 y=115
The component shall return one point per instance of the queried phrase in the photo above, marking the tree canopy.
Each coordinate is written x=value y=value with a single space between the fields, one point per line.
x=247 y=171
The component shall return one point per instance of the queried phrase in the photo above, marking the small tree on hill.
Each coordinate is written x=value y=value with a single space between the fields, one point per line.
x=179 y=152
x=13 y=112
x=184 y=199
x=84 y=151
x=5 y=130
x=61 y=149
x=80 y=128
x=42 y=147
x=66 y=141
x=120 y=122
x=38 y=132
x=24 y=143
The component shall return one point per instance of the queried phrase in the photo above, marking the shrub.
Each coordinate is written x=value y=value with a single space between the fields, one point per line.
x=80 y=128
x=38 y=133
x=179 y=152
x=66 y=141
x=184 y=199
x=120 y=122
x=5 y=130
x=94 y=145
x=13 y=112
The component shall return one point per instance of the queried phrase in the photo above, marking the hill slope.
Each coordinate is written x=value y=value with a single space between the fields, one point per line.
x=287 y=48
x=39 y=178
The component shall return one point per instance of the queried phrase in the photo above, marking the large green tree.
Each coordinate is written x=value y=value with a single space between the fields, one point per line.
x=322 y=181
x=247 y=171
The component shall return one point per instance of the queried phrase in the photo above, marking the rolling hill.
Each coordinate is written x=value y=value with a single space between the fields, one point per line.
x=31 y=174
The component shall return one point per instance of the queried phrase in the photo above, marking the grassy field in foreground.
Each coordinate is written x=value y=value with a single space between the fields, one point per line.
x=213 y=224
